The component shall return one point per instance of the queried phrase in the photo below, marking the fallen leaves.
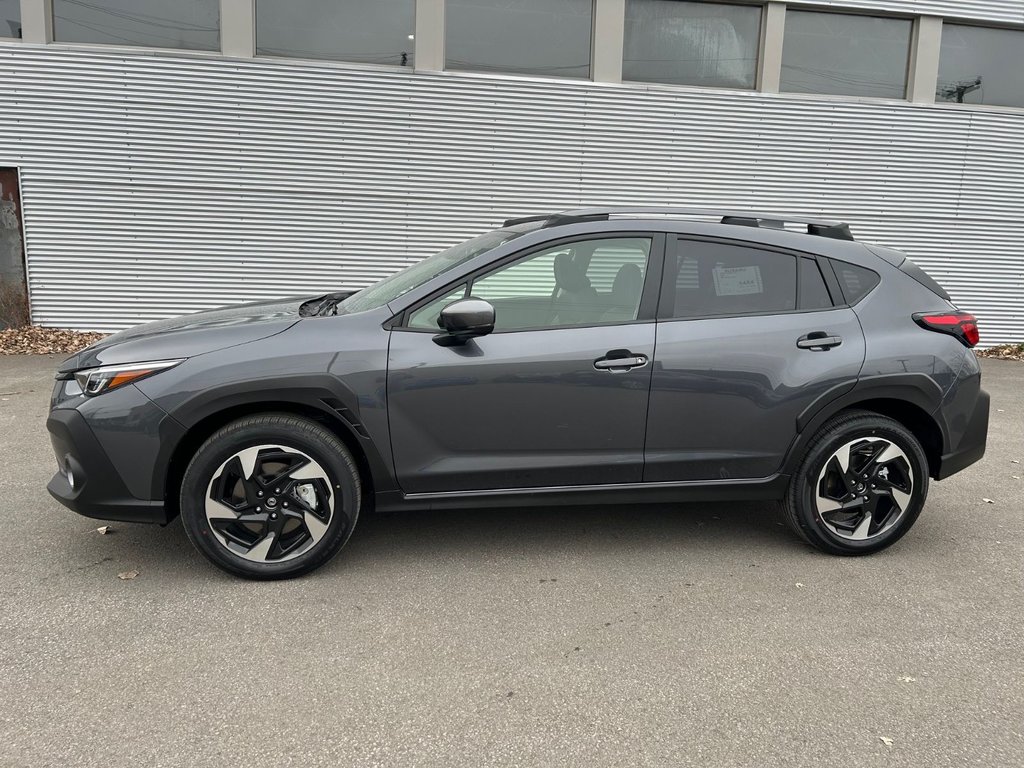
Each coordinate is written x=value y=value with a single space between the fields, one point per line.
x=988 y=501
x=1004 y=352
x=33 y=340
x=103 y=530
x=799 y=585
x=886 y=740
x=127 y=575
x=908 y=679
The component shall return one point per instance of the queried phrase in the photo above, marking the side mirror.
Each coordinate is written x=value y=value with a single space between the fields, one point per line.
x=463 y=320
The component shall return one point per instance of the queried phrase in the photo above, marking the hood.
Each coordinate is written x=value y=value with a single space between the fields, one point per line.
x=190 y=335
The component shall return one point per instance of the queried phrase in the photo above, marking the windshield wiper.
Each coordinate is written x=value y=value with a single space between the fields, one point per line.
x=323 y=306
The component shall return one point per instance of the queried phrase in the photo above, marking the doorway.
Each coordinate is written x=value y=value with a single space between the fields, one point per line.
x=14 y=306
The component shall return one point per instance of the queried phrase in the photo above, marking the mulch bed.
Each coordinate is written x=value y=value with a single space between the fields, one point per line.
x=1004 y=352
x=33 y=340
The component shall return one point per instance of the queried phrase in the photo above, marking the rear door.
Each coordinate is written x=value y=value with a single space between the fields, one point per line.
x=748 y=337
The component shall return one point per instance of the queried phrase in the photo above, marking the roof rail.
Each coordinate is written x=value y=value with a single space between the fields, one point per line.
x=837 y=230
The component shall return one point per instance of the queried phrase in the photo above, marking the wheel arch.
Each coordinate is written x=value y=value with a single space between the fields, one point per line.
x=327 y=413
x=912 y=400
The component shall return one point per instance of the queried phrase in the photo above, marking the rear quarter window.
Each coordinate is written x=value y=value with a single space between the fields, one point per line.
x=856 y=282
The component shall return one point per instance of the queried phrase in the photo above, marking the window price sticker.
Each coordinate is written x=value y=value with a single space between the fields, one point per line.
x=738 y=281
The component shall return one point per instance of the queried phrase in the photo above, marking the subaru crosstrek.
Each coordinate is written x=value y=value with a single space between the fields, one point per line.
x=596 y=355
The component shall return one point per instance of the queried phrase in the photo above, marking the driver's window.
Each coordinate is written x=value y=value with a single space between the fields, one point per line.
x=590 y=282
x=426 y=317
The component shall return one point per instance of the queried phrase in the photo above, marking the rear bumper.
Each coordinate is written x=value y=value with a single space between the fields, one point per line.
x=972 y=445
x=86 y=481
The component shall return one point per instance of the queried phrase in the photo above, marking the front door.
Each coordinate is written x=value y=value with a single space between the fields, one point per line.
x=749 y=338
x=541 y=401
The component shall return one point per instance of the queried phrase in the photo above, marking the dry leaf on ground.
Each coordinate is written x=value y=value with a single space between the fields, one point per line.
x=127 y=575
x=988 y=501
x=103 y=530
x=33 y=340
x=885 y=740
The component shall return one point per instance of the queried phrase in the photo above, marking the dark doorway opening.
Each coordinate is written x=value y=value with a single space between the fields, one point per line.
x=14 y=306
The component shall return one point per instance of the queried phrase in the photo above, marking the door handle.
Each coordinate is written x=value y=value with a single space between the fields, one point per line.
x=619 y=361
x=819 y=341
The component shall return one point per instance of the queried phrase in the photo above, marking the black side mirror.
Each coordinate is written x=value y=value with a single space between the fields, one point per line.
x=463 y=320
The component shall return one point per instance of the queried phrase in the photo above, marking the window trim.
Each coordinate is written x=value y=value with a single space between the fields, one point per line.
x=648 y=296
x=666 y=305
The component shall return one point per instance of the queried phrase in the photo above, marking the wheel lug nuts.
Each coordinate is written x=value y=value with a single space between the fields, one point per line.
x=277 y=490
x=273 y=515
x=286 y=503
x=260 y=494
x=259 y=509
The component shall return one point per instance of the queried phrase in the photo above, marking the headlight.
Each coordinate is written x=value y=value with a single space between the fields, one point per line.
x=96 y=381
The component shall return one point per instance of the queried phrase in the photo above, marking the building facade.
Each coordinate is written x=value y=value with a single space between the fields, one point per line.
x=174 y=157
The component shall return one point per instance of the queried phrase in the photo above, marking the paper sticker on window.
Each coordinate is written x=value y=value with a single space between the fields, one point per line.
x=738 y=281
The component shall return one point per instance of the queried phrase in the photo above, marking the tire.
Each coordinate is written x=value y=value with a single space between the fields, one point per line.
x=885 y=464
x=270 y=497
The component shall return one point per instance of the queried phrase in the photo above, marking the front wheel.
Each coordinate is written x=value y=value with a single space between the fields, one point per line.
x=860 y=487
x=270 y=496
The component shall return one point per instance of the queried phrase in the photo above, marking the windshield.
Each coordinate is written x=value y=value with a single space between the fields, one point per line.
x=390 y=288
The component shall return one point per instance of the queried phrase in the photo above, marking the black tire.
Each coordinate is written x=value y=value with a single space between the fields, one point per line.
x=333 y=494
x=868 y=432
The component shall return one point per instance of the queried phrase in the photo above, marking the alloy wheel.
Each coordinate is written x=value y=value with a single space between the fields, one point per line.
x=864 y=489
x=269 y=504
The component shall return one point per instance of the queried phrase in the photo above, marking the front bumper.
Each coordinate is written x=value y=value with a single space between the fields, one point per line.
x=86 y=481
x=972 y=444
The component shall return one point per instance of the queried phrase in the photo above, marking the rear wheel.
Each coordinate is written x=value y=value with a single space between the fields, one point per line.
x=270 y=497
x=860 y=487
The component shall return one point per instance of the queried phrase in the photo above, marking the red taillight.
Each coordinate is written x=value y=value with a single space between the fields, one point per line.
x=960 y=324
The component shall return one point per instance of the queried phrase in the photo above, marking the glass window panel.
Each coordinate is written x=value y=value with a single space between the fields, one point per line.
x=981 y=66
x=378 y=32
x=534 y=37
x=813 y=291
x=721 y=279
x=10 y=18
x=193 y=24
x=710 y=44
x=592 y=282
x=845 y=54
x=427 y=316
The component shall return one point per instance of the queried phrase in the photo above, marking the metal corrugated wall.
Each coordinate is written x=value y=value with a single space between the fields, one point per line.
x=1001 y=11
x=156 y=185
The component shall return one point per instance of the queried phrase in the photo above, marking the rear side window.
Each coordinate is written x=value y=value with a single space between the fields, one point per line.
x=856 y=282
x=813 y=291
x=725 y=279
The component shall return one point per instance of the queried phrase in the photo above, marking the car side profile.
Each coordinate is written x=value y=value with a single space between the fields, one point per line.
x=590 y=356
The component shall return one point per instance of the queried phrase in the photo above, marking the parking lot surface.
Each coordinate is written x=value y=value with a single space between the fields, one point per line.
x=607 y=636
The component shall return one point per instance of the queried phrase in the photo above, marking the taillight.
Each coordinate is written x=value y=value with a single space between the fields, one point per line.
x=960 y=324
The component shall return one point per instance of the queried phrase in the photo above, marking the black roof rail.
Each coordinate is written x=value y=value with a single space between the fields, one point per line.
x=838 y=230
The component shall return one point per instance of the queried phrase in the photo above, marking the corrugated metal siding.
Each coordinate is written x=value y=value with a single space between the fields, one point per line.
x=156 y=185
x=1001 y=11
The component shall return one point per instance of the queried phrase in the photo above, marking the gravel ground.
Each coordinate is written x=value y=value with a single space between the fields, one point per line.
x=700 y=635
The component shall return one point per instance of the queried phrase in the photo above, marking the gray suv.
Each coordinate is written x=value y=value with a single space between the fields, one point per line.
x=595 y=355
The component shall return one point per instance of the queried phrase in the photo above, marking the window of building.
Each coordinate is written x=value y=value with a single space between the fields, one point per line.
x=192 y=24
x=691 y=43
x=378 y=32
x=10 y=18
x=533 y=37
x=979 y=65
x=846 y=54
x=721 y=279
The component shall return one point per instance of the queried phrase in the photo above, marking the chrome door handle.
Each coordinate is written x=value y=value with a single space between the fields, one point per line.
x=620 y=364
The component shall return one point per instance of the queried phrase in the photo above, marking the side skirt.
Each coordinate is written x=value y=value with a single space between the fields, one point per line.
x=765 y=489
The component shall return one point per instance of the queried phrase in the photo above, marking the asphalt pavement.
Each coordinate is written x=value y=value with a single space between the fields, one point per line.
x=701 y=634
